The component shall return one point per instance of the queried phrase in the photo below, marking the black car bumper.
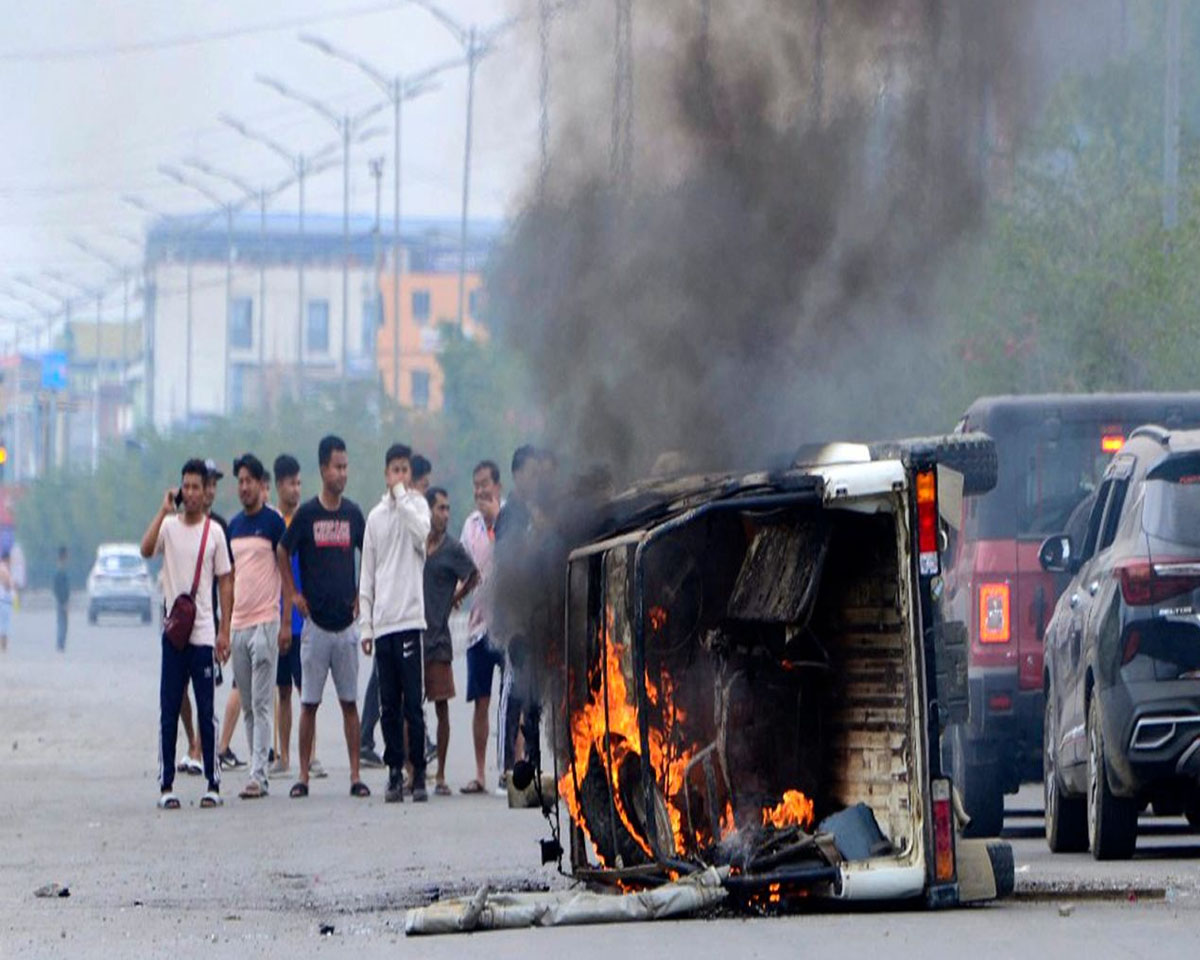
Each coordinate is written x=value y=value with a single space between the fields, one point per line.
x=1152 y=733
x=1006 y=721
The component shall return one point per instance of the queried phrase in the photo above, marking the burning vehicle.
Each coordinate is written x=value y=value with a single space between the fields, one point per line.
x=755 y=675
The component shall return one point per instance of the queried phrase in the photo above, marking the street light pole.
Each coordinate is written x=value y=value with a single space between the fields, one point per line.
x=398 y=89
x=345 y=124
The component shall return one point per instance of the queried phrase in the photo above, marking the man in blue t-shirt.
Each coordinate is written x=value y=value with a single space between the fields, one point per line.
x=287 y=672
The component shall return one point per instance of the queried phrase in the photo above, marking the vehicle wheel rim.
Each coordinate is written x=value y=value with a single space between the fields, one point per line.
x=1093 y=783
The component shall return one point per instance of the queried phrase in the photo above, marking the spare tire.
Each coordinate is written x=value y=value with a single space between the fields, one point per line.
x=971 y=454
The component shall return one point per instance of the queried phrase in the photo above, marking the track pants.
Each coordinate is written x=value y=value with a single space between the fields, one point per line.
x=194 y=663
x=400 y=661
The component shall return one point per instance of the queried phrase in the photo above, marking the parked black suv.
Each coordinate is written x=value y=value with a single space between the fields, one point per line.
x=1122 y=654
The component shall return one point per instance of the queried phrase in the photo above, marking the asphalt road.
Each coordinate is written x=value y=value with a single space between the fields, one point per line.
x=77 y=792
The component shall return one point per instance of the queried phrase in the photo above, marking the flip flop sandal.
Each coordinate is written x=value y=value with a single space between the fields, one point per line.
x=442 y=790
x=210 y=800
x=168 y=801
x=252 y=791
x=473 y=787
x=359 y=789
x=193 y=767
x=299 y=789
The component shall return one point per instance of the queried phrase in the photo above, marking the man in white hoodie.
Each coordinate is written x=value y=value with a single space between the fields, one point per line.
x=391 y=605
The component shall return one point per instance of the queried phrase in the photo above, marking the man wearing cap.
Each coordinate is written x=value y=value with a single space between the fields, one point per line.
x=254 y=535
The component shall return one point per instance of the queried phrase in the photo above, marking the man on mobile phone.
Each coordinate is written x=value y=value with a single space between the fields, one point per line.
x=195 y=555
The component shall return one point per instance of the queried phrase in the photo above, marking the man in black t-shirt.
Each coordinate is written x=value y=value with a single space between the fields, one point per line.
x=323 y=535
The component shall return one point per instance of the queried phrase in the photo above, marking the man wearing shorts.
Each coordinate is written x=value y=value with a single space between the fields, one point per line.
x=190 y=542
x=450 y=575
x=391 y=601
x=287 y=672
x=255 y=534
x=483 y=659
x=324 y=535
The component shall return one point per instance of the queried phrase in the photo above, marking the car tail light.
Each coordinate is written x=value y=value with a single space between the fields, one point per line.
x=1129 y=650
x=999 y=703
x=995 y=606
x=943 y=831
x=927 y=523
x=1144 y=583
x=1111 y=442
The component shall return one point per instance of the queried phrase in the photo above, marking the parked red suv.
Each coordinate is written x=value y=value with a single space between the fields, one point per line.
x=1053 y=450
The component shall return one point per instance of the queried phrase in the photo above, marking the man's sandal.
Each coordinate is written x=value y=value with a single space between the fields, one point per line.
x=211 y=799
x=299 y=789
x=359 y=789
x=168 y=801
x=473 y=787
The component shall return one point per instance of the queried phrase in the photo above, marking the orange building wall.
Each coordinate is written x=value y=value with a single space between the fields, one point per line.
x=419 y=339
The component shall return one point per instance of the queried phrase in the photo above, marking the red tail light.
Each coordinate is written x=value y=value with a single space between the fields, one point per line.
x=995 y=609
x=943 y=832
x=1144 y=583
x=1133 y=641
x=927 y=523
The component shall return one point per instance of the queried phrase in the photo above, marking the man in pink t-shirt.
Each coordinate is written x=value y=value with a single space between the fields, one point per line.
x=254 y=534
x=483 y=659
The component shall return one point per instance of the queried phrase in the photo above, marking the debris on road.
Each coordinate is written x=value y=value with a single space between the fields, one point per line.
x=52 y=890
x=489 y=910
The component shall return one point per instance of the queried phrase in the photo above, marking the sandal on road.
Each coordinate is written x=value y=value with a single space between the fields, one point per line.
x=168 y=801
x=359 y=789
x=473 y=787
x=299 y=789
x=252 y=791
x=211 y=799
x=441 y=790
x=192 y=766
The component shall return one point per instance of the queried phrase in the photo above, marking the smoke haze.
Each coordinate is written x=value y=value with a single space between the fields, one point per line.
x=761 y=277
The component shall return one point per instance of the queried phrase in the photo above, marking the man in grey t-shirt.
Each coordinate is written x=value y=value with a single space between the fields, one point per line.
x=450 y=575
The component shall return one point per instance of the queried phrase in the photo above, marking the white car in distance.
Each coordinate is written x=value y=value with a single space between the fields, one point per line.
x=119 y=582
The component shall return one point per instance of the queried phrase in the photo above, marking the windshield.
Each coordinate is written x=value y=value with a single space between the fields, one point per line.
x=120 y=563
x=1172 y=510
x=1042 y=479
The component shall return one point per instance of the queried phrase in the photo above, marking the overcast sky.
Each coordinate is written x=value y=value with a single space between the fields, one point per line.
x=86 y=119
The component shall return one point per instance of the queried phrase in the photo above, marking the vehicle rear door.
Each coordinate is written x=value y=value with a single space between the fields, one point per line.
x=1069 y=660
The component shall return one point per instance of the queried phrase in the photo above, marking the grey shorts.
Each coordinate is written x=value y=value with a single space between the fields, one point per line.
x=323 y=653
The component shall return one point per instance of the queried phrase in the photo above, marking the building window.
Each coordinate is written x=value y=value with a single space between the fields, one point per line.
x=421 y=307
x=317 y=332
x=473 y=299
x=241 y=323
x=372 y=320
x=420 y=389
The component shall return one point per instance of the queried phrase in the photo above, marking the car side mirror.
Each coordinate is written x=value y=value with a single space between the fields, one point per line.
x=1057 y=554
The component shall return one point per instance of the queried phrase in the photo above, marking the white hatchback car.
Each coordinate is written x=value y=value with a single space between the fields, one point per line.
x=119 y=582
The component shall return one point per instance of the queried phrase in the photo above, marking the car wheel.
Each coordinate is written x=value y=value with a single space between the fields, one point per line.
x=1111 y=820
x=1066 y=817
x=979 y=787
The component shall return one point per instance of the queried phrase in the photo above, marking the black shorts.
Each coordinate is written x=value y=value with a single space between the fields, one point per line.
x=287 y=670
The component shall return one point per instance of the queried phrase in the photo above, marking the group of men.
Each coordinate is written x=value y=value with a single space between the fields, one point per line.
x=278 y=593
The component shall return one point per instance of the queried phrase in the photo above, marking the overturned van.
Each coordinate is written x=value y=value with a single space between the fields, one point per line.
x=754 y=672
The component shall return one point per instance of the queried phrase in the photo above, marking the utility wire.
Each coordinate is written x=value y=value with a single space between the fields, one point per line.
x=62 y=54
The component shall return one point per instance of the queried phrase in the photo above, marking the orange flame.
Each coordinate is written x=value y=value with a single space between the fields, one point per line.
x=668 y=758
x=794 y=809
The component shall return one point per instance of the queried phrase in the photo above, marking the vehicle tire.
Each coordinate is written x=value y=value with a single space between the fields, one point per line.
x=1066 y=817
x=1111 y=820
x=971 y=454
x=979 y=787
